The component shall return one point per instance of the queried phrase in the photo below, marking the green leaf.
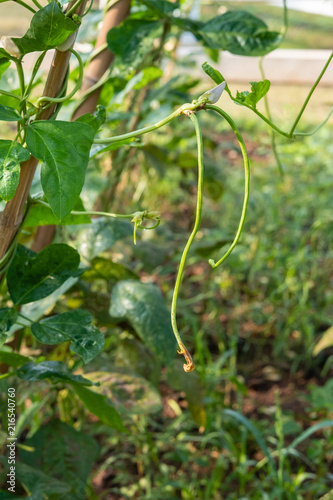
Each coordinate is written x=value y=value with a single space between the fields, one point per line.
x=40 y=484
x=13 y=359
x=96 y=120
x=64 y=147
x=214 y=74
x=101 y=235
x=62 y=453
x=49 y=27
x=86 y=339
x=33 y=276
x=4 y=65
x=108 y=270
x=132 y=40
x=129 y=393
x=240 y=33
x=9 y=114
x=143 y=306
x=162 y=7
x=8 y=318
x=97 y=404
x=55 y=370
x=40 y=215
x=258 y=90
x=11 y=155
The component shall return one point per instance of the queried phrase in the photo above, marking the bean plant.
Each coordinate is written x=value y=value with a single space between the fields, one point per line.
x=43 y=172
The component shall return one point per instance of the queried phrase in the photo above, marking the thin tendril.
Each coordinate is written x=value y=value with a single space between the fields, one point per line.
x=246 y=187
x=189 y=366
x=75 y=89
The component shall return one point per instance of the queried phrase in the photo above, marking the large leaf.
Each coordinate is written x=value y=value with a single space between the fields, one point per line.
x=97 y=404
x=161 y=7
x=41 y=215
x=258 y=90
x=33 y=276
x=86 y=339
x=7 y=320
x=129 y=393
x=101 y=235
x=11 y=155
x=64 y=147
x=240 y=33
x=49 y=27
x=143 y=306
x=108 y=270
x=40 y=484
x=9 y=114
x=64 y=454
x=54 y=370
x=132 y=40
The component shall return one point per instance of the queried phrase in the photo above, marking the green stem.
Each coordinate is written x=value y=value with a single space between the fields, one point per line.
x=37 y=4
x=246 y=187
x=75 y=89
x=269 y=116
x=20 y=2
x=150 y=128
x=301 y=134
x=24 y=317
x=76 y=212
x=73 y=8
x=189 y=366
x=9 y=94
x=299 y=116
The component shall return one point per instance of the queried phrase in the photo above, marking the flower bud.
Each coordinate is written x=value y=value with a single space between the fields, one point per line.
x=10 y=46
x=67 y=43
x=213 y=95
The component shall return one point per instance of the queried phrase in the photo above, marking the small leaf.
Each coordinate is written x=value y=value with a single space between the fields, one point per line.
x=33 y=276
x=96 y=120
x=49 y=27
x=4 y=65
x=64 y=147
x=86 y=339
x=40 y=215
x=214 y=74
x=143 y=306
x=8 y=318
x=97 y=404
x=325 y=341
x=240 y=33
x=11 y=155
x=258 y=90
x=55 y=370
x=9 y=114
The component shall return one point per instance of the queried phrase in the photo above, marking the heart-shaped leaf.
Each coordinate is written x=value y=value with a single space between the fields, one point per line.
x=49 y=27
x=11 y=155
x=142 y=304
x=240 y=33
x=64 y=147
x=33 y=276
x=86 y=339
